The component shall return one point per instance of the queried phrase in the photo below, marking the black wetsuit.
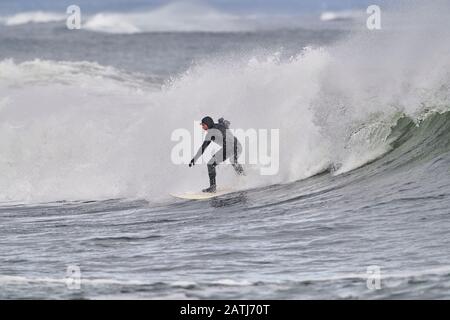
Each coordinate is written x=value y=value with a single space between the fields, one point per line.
x=231 y=149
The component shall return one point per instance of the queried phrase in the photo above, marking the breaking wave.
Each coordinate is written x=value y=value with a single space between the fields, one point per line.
x=81 y=131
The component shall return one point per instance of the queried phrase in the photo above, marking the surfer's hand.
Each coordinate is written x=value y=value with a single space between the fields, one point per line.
x=192 y=163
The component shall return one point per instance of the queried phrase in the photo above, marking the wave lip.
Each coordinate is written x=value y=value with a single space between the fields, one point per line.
x=32 y=17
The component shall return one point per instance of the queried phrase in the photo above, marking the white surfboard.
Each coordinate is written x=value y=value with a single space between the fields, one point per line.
x=201 y=195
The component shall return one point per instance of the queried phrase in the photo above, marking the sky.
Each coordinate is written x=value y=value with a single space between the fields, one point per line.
x=264 y=6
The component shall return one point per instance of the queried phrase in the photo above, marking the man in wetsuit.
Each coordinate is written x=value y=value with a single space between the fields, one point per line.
x=231 y=149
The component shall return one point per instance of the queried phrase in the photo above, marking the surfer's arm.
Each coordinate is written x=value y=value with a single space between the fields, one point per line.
x=211 y=136
x=200 y=151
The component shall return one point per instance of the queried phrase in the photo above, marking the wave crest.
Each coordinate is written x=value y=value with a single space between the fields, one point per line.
x=32 y=17
x=174 y=17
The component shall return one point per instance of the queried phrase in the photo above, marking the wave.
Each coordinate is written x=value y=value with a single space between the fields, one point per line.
x=174 y=17
x=341 y=15
x=32 y=17
x=103 y=133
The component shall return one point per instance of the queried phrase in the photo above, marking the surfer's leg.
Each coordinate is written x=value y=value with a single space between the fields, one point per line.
x=212 y=178
x=212 y=164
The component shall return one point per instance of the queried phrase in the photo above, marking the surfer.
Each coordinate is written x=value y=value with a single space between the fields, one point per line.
x=231 y=149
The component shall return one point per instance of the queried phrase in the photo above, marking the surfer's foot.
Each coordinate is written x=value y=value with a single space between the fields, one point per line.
x=211 y=189
x=212 y=181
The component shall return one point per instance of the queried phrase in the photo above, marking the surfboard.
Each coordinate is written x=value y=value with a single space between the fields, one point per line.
x=201 y=195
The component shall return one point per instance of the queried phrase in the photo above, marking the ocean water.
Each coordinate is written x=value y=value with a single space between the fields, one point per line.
x=86 y=118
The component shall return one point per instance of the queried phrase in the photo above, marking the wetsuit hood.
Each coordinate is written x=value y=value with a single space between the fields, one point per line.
x=208 y=121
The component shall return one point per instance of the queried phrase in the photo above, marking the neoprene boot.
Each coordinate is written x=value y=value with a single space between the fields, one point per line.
x=212 y=185
x=212 y=179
